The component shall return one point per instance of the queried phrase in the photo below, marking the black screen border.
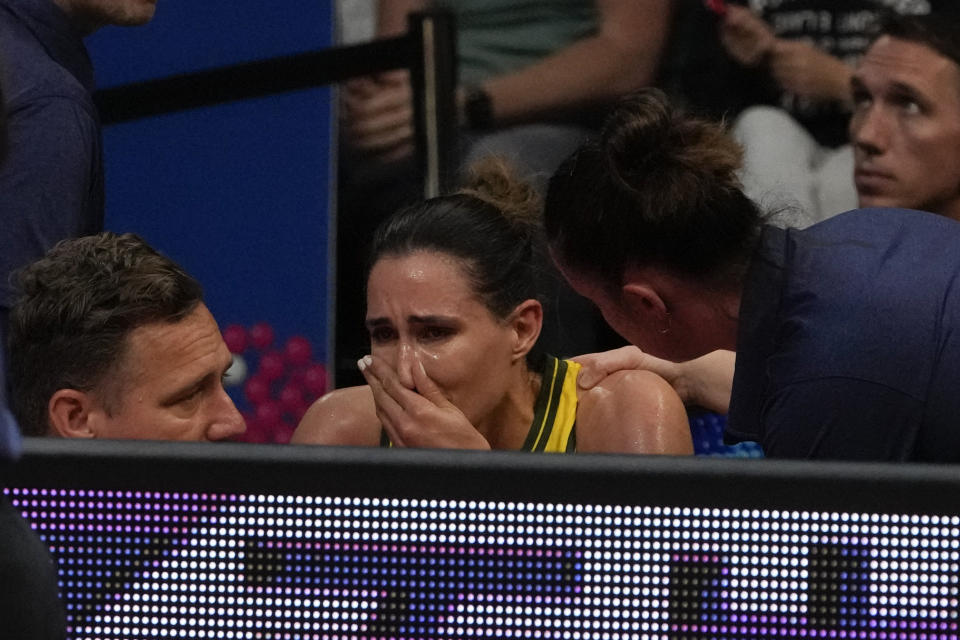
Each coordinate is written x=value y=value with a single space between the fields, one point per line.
x=597 y=479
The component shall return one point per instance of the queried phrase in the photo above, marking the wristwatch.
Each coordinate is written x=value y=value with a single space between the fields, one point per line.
x=478 y=109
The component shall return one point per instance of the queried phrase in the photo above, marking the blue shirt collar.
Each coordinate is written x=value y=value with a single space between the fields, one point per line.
x=62 y=40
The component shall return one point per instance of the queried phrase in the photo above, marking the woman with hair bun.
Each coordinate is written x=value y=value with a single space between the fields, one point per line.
x=453 y=317
x=847 y=333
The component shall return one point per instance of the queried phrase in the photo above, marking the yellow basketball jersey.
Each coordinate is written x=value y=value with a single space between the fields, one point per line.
x=553 y=429
x=555 y=412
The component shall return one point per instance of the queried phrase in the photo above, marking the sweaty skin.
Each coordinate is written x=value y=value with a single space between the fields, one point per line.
x=444 y=372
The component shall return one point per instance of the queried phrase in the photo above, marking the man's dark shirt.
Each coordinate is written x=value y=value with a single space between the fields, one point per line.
x=9 y=433
x=52 y=180
x=849 y=340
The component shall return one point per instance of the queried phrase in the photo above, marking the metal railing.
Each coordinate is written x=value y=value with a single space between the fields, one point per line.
x=428 y=50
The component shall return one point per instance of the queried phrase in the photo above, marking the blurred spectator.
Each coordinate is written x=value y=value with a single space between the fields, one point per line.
x=110 y=339
x=906 y=117
x=695 y=70
x=30 y=607
x=519 y=63
x=52 y=183
x=800 y=55
x=533 y=77
x=356 y=21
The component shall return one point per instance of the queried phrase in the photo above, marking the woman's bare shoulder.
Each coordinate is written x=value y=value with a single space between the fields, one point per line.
x=633 y=411
x=344 y=416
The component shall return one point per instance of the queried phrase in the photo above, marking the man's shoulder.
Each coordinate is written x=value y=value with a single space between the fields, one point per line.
x=29 y=73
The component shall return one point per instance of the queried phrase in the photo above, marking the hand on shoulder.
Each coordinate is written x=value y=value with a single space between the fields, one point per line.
x=597 y=366
x=705 y=381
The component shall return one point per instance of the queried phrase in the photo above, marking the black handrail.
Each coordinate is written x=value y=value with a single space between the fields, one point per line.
x=428 y=50
x=249 y=80
x=434 y=79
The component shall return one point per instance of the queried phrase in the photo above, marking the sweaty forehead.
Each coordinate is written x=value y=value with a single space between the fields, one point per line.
x=423 y=281
x=429 y=270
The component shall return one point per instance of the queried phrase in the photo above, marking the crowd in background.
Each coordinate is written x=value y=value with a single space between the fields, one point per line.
x=830 y=103
x=692 y=162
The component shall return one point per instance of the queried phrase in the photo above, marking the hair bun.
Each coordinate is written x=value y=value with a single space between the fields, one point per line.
x=493 y=180
x=646 y=135
x=636 y=134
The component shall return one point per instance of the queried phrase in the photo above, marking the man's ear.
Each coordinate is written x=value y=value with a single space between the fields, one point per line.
x=526 y=322
x=73 y=414
x=642 y=301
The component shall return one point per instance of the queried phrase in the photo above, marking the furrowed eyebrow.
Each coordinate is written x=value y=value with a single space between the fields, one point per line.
x=377 y=322
x=429 y=319
x=903 y=91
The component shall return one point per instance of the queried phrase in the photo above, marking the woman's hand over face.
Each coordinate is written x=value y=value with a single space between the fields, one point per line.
x=421 y=416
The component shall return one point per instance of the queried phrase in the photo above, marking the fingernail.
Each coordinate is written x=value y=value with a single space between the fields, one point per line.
x=364 y=362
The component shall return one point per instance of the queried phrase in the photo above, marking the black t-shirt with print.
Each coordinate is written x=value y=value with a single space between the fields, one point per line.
x=842 y=28
x=698 y=73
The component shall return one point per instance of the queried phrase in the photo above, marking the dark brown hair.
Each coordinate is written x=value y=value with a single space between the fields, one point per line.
x=939 y=30
x=657 y=188
x=491 y=225
x=75 y=308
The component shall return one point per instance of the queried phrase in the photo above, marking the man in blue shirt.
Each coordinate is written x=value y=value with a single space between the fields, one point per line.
x=52 y=182
x=30 y=607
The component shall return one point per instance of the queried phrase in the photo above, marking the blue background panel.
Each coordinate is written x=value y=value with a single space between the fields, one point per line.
x=239 y=193
x=186 y=35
